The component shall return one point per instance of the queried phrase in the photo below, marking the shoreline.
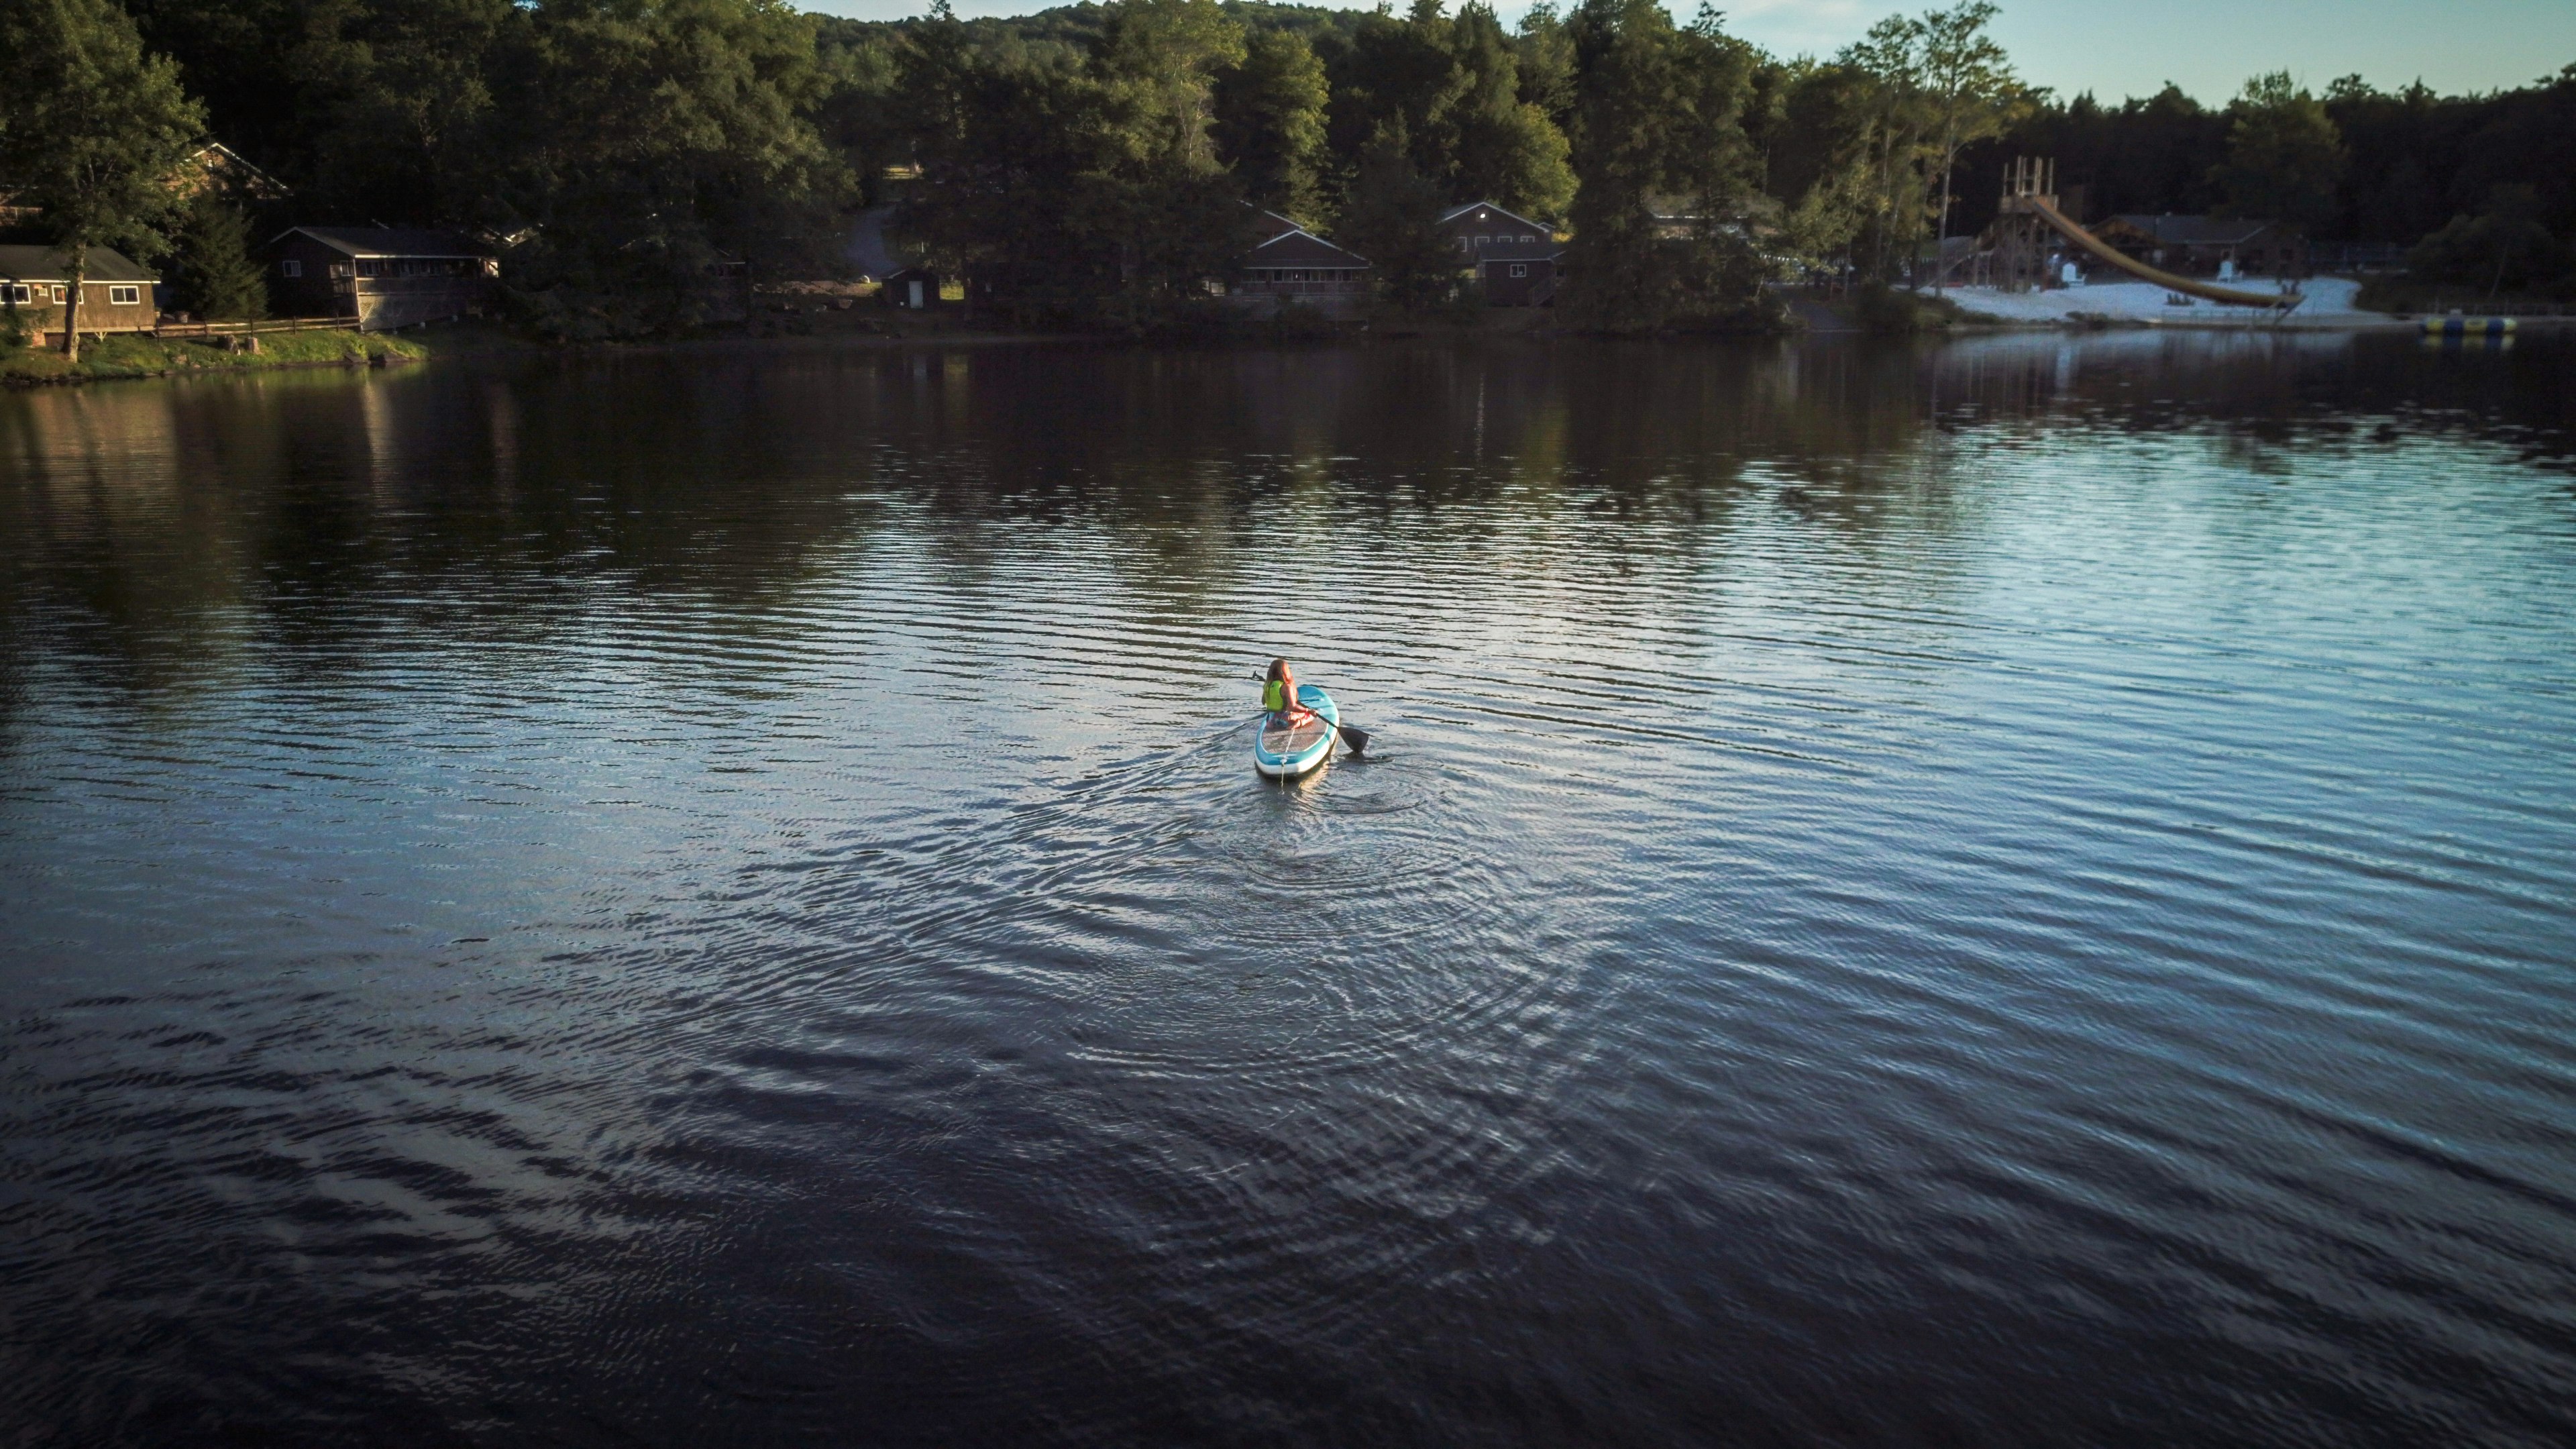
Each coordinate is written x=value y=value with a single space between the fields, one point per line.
x=142 y=357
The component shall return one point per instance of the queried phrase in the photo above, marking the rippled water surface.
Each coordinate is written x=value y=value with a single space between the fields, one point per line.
x=2018 y=893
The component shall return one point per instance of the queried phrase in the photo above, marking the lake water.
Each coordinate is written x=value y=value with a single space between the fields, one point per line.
x=2017 y=892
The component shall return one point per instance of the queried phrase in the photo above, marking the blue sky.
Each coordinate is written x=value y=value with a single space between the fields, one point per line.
x=2208 y=47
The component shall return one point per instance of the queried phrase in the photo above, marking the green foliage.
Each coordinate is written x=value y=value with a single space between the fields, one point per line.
x=1501 y=147
x=1890 y=119
x=1158 y=62
x=643 y=139
x=212 y=271
x=1881 y=308
x=1270 y=123
x=1968 y=89
x=1452 y=88
x=2503 y=248
x=2284 y=155
x=1545 y=52
x=1081 y=192
x=1393 y=221
x=89 y=129
x=1663 y=220
x=394 y=97
x=635 y=140
x=1087 y=162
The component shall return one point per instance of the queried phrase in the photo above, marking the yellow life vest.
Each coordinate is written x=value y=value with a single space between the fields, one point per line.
x=1274 y=696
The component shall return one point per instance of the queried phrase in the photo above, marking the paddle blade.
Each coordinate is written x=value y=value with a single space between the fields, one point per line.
x=1355 y=739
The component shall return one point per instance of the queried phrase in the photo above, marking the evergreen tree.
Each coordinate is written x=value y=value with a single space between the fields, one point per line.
x=2284 y=155
x=393 y=99
x=90 y=130
x=1659 y=126
x=1546 y=63
x=1396 y=78
x=1159 y=61
x=1269 y=128
x=640 y=138
x=213 y=273
x=1394 y=221
x=1085 y=190
x=1501 y=147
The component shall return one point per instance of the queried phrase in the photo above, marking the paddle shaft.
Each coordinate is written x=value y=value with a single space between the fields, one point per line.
x=1354 y=737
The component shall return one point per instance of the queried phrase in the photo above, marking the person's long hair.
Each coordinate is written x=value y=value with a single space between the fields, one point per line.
x=1278 y=671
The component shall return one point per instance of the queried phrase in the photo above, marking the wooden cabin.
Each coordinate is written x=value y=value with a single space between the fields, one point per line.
x=213 y=166
x=1517 y=261
x=1480 y=224
x=1520 y=274
x=116 y=295
x=1298 y=264
x=381 y=277
x=2209 y=246
x=920 y=289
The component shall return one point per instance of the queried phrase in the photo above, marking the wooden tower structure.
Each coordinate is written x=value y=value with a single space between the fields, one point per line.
x=2023 y=241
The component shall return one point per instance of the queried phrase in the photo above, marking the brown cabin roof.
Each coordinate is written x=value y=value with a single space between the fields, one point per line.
x=1478 y=212
x=1301 y=248
x=42 y=264
x=390 y=241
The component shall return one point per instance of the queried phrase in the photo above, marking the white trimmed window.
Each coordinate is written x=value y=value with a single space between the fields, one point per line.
x=1520 y=269
x=61 y=294
x=125 y=296
x=18 y=294
x=290 y=268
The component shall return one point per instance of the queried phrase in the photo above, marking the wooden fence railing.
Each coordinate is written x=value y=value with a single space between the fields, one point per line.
x=234 y=329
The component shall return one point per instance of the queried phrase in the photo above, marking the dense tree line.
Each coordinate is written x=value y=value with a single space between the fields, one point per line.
x=1094 y=161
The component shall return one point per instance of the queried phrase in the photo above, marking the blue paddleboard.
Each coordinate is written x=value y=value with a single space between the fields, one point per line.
x=1283 y=751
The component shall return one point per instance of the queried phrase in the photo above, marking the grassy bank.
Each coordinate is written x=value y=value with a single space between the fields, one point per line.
x=134 y=355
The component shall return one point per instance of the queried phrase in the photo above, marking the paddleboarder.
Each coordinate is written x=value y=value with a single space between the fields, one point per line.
x=1279 y=693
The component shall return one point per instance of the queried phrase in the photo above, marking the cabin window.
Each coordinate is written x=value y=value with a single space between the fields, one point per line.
x=61 y=295
x=1520 y=269
x=1484 y=240
x=290 y=268
x=125 y=296
x=18 y=294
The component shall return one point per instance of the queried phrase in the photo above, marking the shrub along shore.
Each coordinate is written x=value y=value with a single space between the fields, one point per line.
x=129 y=355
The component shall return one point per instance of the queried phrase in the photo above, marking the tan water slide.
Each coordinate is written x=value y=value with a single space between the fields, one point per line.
x=2282 y=301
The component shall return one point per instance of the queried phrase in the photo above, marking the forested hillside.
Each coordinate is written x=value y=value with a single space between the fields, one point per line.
x=1089 y=162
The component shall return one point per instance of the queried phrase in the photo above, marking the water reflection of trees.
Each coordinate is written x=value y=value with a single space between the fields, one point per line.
x=156 y=527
